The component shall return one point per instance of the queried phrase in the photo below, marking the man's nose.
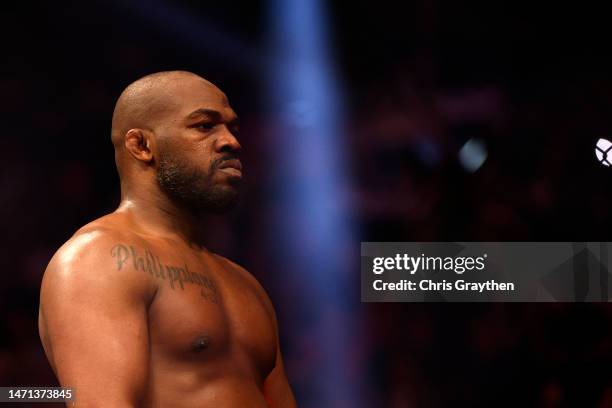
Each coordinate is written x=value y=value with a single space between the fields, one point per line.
x=227 y=142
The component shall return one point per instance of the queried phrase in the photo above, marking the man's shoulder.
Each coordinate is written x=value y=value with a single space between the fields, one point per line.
x=88 y=255
x=246 y=277
x=234 y=268
x=92 y=240
x=226 y=262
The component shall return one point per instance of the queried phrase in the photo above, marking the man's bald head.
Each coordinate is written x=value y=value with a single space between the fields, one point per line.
x=175 y=132
x=148 y=100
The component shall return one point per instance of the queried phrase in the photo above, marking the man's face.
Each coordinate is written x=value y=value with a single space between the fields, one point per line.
x=198 y=166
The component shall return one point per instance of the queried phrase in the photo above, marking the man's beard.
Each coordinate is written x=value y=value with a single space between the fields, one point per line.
x=193 y=189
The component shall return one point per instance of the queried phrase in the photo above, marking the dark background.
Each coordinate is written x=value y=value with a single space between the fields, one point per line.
x=532 y=82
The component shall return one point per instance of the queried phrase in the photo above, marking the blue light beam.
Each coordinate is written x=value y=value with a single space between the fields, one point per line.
x=313 y=229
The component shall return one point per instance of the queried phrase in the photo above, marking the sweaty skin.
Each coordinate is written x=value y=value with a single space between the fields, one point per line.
x=134 y=311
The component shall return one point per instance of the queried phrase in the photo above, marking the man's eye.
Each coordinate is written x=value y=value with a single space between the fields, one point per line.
x=206 y=126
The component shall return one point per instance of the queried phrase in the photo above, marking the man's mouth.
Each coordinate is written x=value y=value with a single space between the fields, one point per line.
x=231 y=167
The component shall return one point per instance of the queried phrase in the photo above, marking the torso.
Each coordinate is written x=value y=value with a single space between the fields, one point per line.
x=212 y=332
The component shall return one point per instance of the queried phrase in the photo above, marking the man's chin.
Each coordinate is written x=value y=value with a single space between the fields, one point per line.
x=219 y=200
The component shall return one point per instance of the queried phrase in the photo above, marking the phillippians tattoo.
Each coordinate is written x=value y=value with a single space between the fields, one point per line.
x=175 y=276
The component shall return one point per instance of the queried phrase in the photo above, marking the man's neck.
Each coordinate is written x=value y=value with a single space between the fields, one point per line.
x=158 y=215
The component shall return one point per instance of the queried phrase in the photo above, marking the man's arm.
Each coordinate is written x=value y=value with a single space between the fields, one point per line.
x=276 y=387
x=277 y=390
x=93 y=323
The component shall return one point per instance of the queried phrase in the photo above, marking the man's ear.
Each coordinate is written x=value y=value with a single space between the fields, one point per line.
x=138 y=142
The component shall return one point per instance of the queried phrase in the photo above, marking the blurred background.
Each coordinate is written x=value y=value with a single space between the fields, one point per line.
x=364 y=121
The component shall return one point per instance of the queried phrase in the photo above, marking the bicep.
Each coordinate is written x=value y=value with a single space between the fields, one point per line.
x=96 y=329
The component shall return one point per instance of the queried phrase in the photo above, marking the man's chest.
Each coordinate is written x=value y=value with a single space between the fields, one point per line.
x=207 y=311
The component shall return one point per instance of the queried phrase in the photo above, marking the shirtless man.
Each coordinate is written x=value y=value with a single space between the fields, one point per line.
x=135 y=312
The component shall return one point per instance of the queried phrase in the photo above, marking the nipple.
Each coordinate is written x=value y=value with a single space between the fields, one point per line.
x=200 y=343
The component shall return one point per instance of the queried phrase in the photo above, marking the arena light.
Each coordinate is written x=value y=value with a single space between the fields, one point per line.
x=473 y=155
x=312 y=228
